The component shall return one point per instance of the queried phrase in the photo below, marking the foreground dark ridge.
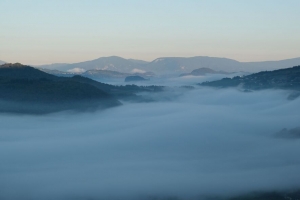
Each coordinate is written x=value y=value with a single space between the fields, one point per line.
x=287 y=79
x=24 y=89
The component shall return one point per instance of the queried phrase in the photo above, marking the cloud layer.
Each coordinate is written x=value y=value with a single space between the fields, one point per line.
x=205 y=142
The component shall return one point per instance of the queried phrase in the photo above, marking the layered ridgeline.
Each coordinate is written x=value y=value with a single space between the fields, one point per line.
x=172 y=65
x=288 y=78
x=99 y=74
x=24 y=89
x=108 y=74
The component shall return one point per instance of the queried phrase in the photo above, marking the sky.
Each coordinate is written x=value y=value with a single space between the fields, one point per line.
x=68 y=31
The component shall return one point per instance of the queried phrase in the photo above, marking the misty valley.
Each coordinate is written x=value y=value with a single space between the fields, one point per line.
x=205 y=134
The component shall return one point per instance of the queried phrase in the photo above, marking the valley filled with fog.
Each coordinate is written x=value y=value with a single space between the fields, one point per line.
x=173 y=80
x=197 y=143
x=149 y=100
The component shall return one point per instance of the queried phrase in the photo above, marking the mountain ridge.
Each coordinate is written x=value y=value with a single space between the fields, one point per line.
x=179 y=65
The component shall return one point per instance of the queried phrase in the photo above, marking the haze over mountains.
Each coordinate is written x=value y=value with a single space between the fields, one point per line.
x=180 y=135
x=177 y=65
x=149 y=100
x=26 y=85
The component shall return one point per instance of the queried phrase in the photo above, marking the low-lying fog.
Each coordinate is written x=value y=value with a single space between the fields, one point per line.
x=204 y=143
x=172 y=80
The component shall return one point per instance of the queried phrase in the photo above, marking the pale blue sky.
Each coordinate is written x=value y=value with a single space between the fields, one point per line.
x=50 y=31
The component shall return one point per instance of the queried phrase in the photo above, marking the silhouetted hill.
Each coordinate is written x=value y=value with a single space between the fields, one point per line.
x=120 y=92
x=134 y=78
x=24 y=89
x=19 y=71
x=203 y=71
x=279 y=79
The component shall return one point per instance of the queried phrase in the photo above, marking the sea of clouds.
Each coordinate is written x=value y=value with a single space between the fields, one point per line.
x=204 y=142
x=172 y=80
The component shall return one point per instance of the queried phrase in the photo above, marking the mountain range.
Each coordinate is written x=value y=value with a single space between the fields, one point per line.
x=112 y=63
x=174 y=65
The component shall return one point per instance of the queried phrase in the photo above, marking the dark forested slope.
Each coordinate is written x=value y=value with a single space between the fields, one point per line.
x=288 y=78
x=24 y=89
